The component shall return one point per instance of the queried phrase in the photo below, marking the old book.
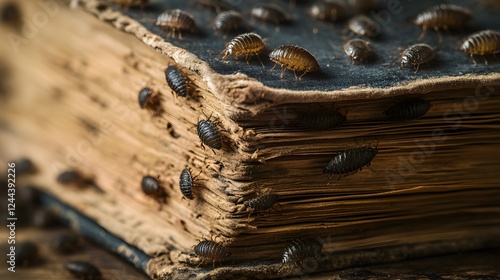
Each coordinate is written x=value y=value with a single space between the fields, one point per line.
x=431 y=188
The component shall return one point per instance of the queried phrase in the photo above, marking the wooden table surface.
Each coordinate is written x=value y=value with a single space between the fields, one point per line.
x=52 y=264
x=483 y=264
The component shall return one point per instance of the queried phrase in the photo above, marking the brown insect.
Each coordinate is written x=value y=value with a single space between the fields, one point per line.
x=228 y=21
x=209 y=250
x=323 y=120
x=270 y=13
x=364 y=26
x=217 y=5
x=209 y=134
x=131 y=3
x=147 y=98
x=295 y=58
x=151 y=187
x=330 y=10
x=150 y=100
x=362 y=5
x=263 y=202
x=26 y=253
x=186 y=183
x=83 y=270
x=72 y=176
x=444 y=16
x=10 y=14
x=76 y=178
x=176 y=21
x=176 y=80
x=358 y=50
x=408 y=109
x=416 y=55
x=481 y=43
x=495 y=4
x=348 y=162
x=247 y=44
x=25 y=166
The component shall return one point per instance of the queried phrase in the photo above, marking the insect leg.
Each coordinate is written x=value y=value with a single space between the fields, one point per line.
x=440 y=37
x=273 y=67
x=424 y=30
x=485 y=61
x=300 y=78
x=281 y=266
x=472 y=57
x=281 y=207
x=260 y=61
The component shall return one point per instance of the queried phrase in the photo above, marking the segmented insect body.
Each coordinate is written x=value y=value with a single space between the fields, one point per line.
x=145 y=97
x=350 y=161
x=263 y=202
x=301 y=249
x=209 y=134
x=295 y=58
x=10 y=14
x=217 y=5
x=66 y=244
x=71 y=177
x=131 y=3
x=75 y=178
x=176 y=81
x=229 y=21
x=364 y=26
x=177 y=21
x=150 y=100
x=481 y=43
x=209 y=250
x=416 y=55
x=495 y=4
x=323 y=121
x=83 y=270
x=270 y=13
x=24 y=166
x=150 y=186
x=408 y=109
x=331 y=10
x=444 y=16
x=358 y=50
x=247 y=44
x=186 y=183
x=26 y=253
x=362 y=5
